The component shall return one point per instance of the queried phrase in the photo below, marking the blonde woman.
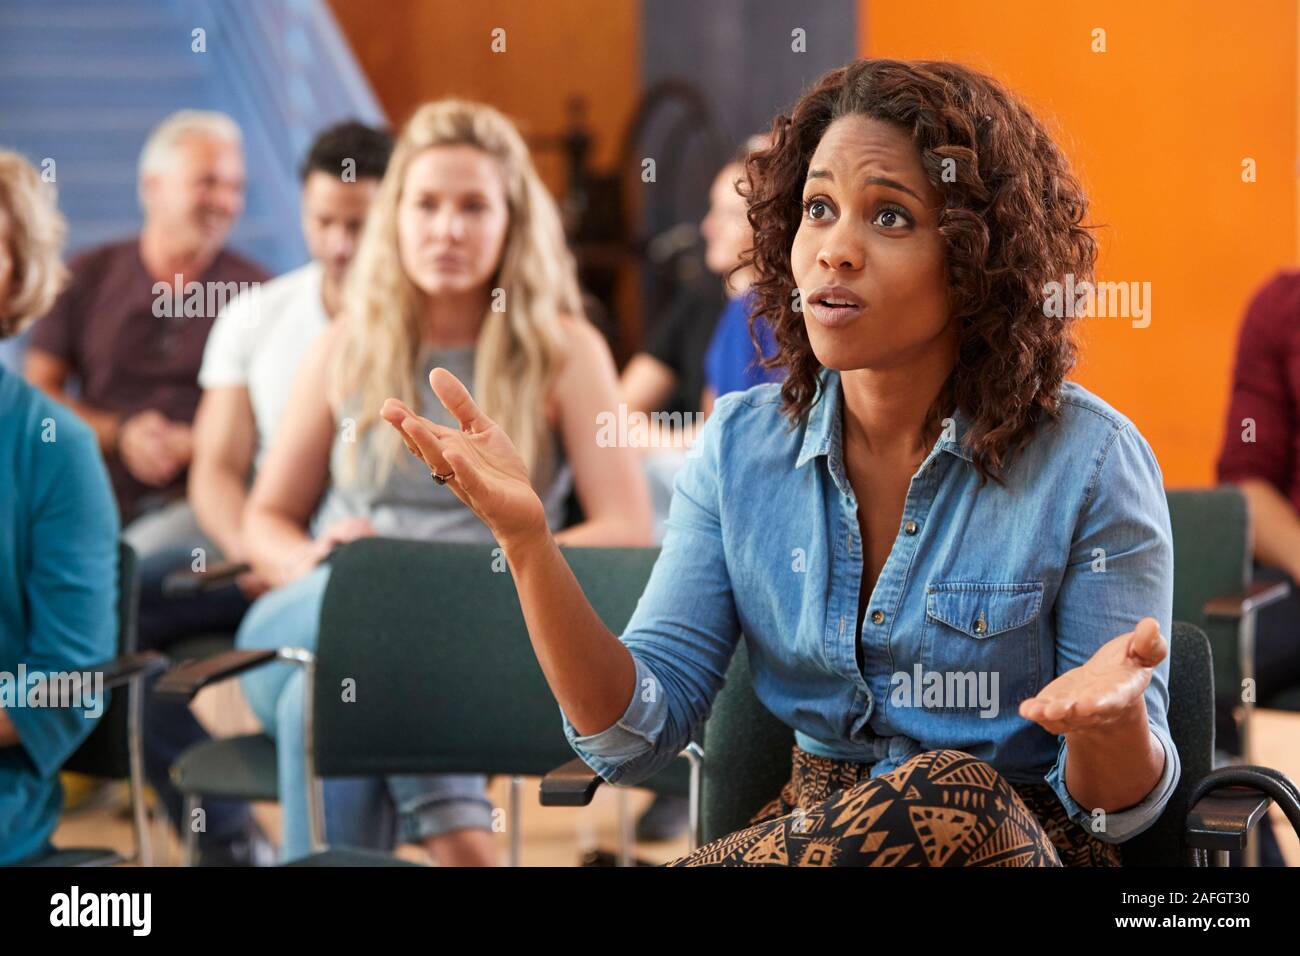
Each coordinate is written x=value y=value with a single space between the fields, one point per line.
x=58 y=531
x=462 y=265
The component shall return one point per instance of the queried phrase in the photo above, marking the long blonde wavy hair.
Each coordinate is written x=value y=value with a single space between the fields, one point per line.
x=519 y=350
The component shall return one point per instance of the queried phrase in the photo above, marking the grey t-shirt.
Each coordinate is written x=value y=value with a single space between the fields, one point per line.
x=408 y=503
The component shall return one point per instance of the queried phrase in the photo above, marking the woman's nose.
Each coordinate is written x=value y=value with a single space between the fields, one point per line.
x=840 y=253
x=446 y=224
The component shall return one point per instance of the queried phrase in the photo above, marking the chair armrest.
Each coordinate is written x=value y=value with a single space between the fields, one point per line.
x=187 y=679
x=187 y=583
x=571 y=785
x=122 y=670
x=1223 y=820
x=1237 y=606
x=1226 y=803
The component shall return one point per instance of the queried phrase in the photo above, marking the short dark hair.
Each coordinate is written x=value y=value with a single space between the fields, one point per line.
x=367 y=146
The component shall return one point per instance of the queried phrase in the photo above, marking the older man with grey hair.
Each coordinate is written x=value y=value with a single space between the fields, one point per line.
x=131 y=326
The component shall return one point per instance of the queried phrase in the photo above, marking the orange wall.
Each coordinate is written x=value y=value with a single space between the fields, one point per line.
x=413 y=51
x=1157 y=127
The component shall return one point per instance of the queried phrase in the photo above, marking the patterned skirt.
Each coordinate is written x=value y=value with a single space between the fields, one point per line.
x=940 y=808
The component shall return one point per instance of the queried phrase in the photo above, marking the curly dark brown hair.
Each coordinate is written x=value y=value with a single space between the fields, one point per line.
x=1012 y=221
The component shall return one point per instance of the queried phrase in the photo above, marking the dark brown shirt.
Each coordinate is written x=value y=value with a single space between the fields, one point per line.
x=1262 y=440
x=133 y=349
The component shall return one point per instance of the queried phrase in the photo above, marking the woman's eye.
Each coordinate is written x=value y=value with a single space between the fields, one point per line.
x=816 y=209
x=892 y=218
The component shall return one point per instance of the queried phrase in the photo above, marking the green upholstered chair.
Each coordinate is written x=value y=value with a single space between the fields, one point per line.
x=1213 y=590
x=434 y=641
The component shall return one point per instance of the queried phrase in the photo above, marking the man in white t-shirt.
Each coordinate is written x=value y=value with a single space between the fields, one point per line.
x=258 y=341
x=248 y=367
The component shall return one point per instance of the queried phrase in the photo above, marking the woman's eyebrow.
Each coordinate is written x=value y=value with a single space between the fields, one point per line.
x=428 y=192
x=869 y=181
x=892 y=184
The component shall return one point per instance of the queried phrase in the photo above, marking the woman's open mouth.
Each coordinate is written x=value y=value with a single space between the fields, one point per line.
x=835 y=305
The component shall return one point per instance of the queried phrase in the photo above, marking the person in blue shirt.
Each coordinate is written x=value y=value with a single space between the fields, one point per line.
x=732 y=363
x=951 y=566
x=58 y=538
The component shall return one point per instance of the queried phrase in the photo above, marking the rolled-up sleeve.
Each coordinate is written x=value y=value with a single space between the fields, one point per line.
x=633 y=735
x=1120 y=571
x=683 y=631
x=1116 y=826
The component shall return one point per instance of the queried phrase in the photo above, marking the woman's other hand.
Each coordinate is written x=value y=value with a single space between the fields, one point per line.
x=1106 y=690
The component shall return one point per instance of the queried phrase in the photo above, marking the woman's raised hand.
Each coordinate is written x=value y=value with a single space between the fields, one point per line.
x=1106 y=689
x=483 y=468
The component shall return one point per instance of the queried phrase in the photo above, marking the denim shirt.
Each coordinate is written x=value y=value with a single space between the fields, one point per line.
x=989 y=593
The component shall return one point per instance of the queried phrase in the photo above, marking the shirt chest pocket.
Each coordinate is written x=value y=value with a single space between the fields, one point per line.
x=980 y=643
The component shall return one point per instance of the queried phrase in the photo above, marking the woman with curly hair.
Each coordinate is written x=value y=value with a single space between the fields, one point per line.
x=951 y=566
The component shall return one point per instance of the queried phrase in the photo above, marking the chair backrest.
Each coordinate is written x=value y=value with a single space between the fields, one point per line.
x=1211 y=559
x=106 y=752
x=746 y=753
x=432 y=639
x=747 y=750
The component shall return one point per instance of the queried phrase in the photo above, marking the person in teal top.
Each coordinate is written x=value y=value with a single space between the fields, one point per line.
x=58 y=537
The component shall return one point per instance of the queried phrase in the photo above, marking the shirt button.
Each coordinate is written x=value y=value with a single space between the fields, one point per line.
x=877 y=617
x=980 y=624
x=910 y=527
